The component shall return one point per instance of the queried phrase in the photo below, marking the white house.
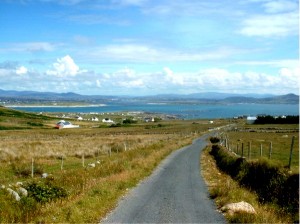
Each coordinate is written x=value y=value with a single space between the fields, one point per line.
x=251 y=120
x=79 y=118
x=107 y=120
x=95 y=119
x=149 y=119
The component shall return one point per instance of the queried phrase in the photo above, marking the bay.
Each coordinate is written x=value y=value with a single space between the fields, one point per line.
x=184 y=111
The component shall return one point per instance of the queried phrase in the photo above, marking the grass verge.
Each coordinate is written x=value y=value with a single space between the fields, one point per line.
x=223 y=189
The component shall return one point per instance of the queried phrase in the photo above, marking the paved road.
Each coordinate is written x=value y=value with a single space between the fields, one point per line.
x=174 y=193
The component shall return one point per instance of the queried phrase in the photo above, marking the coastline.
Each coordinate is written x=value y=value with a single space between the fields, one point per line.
x=56 y=106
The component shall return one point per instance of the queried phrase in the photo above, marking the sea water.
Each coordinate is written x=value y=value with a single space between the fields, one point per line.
x=184 y=111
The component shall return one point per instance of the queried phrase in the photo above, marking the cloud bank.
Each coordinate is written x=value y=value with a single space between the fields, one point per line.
x=65 y=75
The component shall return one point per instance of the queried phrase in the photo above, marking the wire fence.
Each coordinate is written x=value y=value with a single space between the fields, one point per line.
x=254 y=149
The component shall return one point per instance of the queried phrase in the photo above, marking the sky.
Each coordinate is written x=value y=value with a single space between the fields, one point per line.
x=149 y=47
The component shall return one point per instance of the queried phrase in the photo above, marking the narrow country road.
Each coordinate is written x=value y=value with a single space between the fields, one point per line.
x=174 y=193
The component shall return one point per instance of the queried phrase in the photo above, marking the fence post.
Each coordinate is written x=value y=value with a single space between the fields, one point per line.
x=242 y=149
x=62 y=163
x=109 y=151
x=270 y=150
x=32 y=167
x=291 y=152
x=261 y=149
x=83 y=159
x=249 y=150
x=237 y=148
x=125 y=147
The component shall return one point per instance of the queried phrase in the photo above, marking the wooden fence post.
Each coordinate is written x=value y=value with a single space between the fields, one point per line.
x=249 y=150
x=291 y=152
x=237 y=148
x=270 y=150
x=242 y=149
x=62 y=163
x=83 y=159
x=32 y=167
x=261 y=149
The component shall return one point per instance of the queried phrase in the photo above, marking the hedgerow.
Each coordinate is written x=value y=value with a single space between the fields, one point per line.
x=271 y=182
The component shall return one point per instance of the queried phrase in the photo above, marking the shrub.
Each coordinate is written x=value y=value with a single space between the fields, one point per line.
x=43 y=193
x=214 y=140
x=270 y=181
x=129 y=121
x=226 y=161
x=264 y=178
x=289 y=198
x=35 y=124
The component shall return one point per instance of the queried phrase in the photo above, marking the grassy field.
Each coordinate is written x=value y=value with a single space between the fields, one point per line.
x=223 y=189
x=278 y=137
x=75 y=191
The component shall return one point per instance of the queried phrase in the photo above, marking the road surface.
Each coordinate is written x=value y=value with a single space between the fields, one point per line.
x=174 y=193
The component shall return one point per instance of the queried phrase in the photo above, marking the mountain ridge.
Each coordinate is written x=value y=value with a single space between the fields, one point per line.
x=204 y=97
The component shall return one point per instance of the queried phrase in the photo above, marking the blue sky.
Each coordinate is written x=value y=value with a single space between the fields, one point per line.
x=147 y=47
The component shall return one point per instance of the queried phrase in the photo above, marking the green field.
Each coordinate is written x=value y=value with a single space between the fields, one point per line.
x=261 y=138
x=75 y=191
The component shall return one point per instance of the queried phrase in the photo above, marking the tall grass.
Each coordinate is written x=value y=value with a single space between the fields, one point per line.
x=271 y=182
x=91 y=192
x=224 y=189
x=260 y=137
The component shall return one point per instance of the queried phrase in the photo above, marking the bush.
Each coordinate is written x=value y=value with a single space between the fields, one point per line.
x=264 y=178
x=214 y=140
x=270 y=181
x=289 y=198
x=227 y=162
x=43 y=193
x=129 y=121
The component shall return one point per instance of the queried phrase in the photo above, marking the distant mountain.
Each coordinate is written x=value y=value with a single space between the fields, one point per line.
x=37 y=95
x=206 y=97
x=282 y=99
x=216 y=96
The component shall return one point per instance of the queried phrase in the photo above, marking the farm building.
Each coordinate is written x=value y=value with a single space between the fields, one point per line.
x=251 y=120
x=107 y=120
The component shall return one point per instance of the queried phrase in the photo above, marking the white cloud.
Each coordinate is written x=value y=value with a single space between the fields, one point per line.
x=65 y=2
x=271 y=25
x=30 y=47
x=131 y=83
x=280 y=18
x=130 y=2
x=280 y=6
x=64 y=66
x=291 y=63
x=139 y=53
x=21 y=70
x=98 y=83
x=173 y=78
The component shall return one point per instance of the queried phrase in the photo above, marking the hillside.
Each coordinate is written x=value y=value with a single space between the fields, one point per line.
x=13 y=119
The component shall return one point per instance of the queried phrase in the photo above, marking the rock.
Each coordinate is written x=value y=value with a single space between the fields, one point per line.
x=22 y=191
x=93 y=165
x=14 y=194
x=238 y=207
